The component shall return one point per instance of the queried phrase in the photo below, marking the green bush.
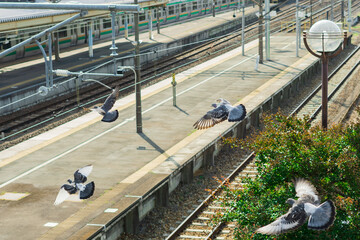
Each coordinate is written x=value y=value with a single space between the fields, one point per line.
x=287 y=148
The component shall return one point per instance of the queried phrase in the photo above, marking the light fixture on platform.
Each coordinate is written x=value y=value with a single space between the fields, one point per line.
x=323 y=40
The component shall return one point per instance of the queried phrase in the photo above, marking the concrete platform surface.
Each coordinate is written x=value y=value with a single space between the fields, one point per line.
x=127 y=164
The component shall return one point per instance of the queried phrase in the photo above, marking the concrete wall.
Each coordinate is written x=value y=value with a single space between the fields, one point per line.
x=129 y=220
x=156 y=51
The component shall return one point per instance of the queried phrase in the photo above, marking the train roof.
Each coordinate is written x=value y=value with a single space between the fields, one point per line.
x=12 y=15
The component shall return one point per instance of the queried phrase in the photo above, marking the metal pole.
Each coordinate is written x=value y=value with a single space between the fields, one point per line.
x=173 y=83
x=126 y=27
x=46 y=63
x=150 y=24
x=332 y=10
x=113 y=47
x=158 y=20
x=349 y=20
x=50 y=66
x=213 y=7
x=297 y=28
x=91 y=52
x=324 y=105
x=261 y=17
x=311 y=15
x=342 y=14
x=243 y=29
x=267 y=29
x=57 y=50
x=138 y=76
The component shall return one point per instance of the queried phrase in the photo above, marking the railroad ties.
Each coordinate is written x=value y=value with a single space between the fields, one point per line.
x=198 y=225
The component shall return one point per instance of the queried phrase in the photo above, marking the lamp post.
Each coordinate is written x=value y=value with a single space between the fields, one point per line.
x=325 y=38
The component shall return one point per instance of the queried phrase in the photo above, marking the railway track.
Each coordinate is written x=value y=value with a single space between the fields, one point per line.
x=17 y=124
x=312 y=105
x=20 y=123
x=198 y=225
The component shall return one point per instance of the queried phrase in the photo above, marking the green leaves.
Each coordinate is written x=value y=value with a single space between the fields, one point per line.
x=287 y=148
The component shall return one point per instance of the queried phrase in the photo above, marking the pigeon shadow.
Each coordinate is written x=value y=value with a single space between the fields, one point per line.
x=154 y=145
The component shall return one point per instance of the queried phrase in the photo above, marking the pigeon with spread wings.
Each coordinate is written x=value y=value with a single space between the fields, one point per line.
x=222 y=111
x=307 y=206
x=109 y=116
x=77 y=186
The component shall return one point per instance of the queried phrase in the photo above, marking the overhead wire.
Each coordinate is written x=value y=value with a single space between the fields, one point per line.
x=131 y=85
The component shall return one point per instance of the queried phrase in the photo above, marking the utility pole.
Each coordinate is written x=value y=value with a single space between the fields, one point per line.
x=349 y=20
x=297 y=28
x=158 y=20
x=243 y=29
x=311 y=15
x=137 y=71
x=213 y=7
x=261 y=17
x=342 y=14
x=267 y=29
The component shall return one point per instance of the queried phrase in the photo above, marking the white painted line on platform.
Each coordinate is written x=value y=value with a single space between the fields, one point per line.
x=10 y=196
x=51 y=224
x=119 y=125
x=111 y=210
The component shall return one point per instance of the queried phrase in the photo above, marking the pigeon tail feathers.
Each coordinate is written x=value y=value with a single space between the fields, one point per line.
x=110 y=116
x=88 y=191
x=323 y=216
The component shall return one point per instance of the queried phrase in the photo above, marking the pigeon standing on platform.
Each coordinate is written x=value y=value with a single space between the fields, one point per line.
x=222 y=111
x=307 y=206
x=109 y=116
x=77 y=186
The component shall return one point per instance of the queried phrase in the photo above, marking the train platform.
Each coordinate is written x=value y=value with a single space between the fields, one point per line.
x=126 y=164
x=76 y=58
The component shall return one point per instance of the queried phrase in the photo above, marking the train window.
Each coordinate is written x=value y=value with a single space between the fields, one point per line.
x=97 y=25
x=171 y=10
x=62 y=32
x=82 y=28
x=194 y=6
x=142 y=17
x=106 y=23
x=223 y=1
x=183 y=7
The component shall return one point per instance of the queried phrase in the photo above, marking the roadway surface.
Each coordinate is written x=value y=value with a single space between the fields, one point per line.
x=120 y=156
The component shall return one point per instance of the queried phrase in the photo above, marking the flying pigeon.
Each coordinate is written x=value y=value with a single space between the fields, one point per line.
x=77 y=186
x=109 y=116
x=222 y=111
x=307 y=206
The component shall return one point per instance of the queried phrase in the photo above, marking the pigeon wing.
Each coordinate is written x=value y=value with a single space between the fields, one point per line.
x=292 y=220
x=80 y=176
x=110 y=100
x=323 y=216
x=110 y=116
x=237 y=113
x=64 y=193
x=305 y=190
x=212 y=117
x=88 y=191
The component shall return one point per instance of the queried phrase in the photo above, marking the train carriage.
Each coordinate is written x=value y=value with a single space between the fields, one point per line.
x=27 y=23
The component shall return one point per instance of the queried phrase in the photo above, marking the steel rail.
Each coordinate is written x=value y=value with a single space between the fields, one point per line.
x=206 y=202
x=215 y=231
x=317 y=89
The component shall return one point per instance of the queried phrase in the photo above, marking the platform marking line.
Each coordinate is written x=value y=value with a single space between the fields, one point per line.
x=84 y=212
x=161 y=158
x=197 y=70
x=116 y=126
